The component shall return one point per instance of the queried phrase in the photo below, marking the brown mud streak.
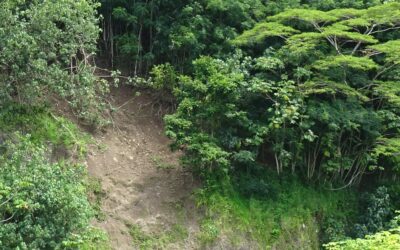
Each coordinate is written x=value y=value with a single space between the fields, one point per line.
x=137 y=192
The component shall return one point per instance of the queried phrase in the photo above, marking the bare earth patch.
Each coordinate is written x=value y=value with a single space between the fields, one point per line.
x=144 y=185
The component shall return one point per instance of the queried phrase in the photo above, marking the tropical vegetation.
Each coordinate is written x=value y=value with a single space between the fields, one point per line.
x=288 y=111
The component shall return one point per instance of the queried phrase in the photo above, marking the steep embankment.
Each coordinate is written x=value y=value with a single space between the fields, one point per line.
x=147 y=201
x=146 y=191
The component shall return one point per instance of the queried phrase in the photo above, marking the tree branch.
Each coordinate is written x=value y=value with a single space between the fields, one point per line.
x=380 y=31
x=367 y=32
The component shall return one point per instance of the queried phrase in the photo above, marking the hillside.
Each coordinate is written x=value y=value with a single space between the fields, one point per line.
x=199 y=124
x=143 y=183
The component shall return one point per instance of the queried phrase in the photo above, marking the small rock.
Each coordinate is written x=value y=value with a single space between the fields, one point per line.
x=115 y=159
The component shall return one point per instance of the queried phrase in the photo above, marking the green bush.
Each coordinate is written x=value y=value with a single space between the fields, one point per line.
x=376 y=212
x=43 y=204
x=209 y=232
x=385 y=240
x=46 y=50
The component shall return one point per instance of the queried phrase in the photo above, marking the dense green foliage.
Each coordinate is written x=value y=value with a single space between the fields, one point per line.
x=286 y=109
x=148 y=32
x=151 y=32
x=42 y=203
x=319 y=102
x=284 y=214
x=46 y=50
x=43 y=197
x=376 y=214
x=389 y=239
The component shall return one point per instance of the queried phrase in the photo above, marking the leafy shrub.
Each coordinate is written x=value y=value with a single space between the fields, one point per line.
x=164 y=77
x=90 y=239
x=334 y=229
x=377 y=212
x=42 y=204
x=209 y=232
x=207 y=106
x=163 y=81
x=251 y=186
x=389 y=239
x=46 y=48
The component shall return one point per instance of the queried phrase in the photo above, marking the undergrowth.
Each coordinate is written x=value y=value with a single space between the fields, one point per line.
x=144 y=240
x=43 y=127
x=95 y=194
x=160 y=164
x=58 y=185
x=288 y=214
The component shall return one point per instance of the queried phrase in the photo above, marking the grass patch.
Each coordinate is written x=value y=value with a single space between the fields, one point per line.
x=43 y=127
x=209 y=232
x=288 y=216
x=145 y=241
x=102 y=147
x=161 y=164
x=95 y=194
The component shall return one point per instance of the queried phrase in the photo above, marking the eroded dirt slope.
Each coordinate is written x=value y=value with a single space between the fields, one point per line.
x=143 y=183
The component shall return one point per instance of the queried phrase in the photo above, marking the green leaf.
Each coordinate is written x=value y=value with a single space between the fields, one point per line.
x=304 y=43
x=391 y=50
x=388 y=14
x=308 y=15
x=346 y=13
x=342 y=31
x=262 y=31
x=316 y=87
x=389 y=90
x=345 y=61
